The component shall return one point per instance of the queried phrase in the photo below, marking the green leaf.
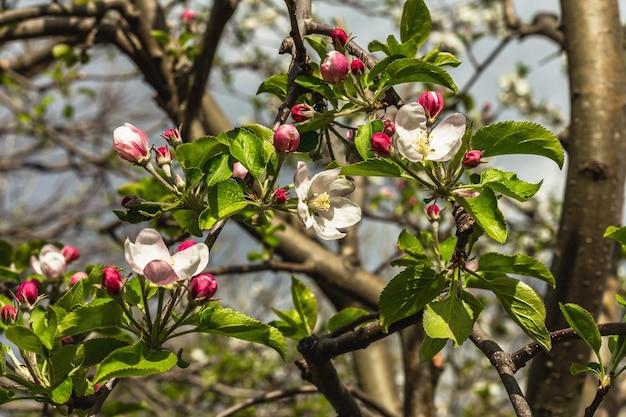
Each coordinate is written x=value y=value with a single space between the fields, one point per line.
x=516 y=264
x=133 y=361
x=225 y=199
x=484 y=209
x=44 y=326
x=188 y=221
x=374 y=167
x=616 y=233
x=346 y=316
x=65 y=360
x=147 y=188
x=430 y=347
x=378 y=46
x=410 y=244
x=410 y=70
x=319 y=44
x=97 y=349
x=73 y=297
x=6 y=253
x=247 y=148
x=218 y=170
x=506 y=138
x=305 y=303
x=520 y=302
x=415 y=23
x=406 y=49
x=290 y=325
x=24 y=339
x=450 y=318
x=316 y=85
x=583 y=324
x=62 y=392
x=226 y=322
x=276 y=84
x=407 y=293
x=508 y=184
x=446 y=248
x=363 y=138
x=100 y=314
x=437 y=57
x=590 y=368
x=197 y=154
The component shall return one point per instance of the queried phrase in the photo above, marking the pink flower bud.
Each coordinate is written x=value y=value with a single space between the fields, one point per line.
x=112 y=280
x=28 y=291
x=187 y=16
x=335 y=67
x=68 y=340
x=180 y=182
x=432 y=211
x=163 y=155
x=286 y=138
x=389 y=127
x=79 y=276
x=340 y=37
x=357 y=66
x=350 y=135
x=172 y=136
x=302 y=112
x=381 y=143
x=281 y=196
x=185 y=244
x=472 y=159
x=71 y=253
x=8 y=313
x=239 y=171
x=432 y=102
x=203 y=287
x=466 y=192
x=131 y=143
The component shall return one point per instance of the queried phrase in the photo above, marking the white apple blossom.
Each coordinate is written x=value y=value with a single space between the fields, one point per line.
x=416 y=143
x=50 y=262
x=149 y=257
x=322 y=203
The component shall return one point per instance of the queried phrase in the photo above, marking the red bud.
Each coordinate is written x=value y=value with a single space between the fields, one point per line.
x=281 y=196
x=381 y=143
x=28 y=291
x=8 y=313
x=339 y=36
x=432 y=102
x=472 y=159
x=203 y=287
x=286 y=138
x=112 y=280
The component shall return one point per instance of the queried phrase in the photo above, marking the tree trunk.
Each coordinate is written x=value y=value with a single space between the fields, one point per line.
x=594 y=192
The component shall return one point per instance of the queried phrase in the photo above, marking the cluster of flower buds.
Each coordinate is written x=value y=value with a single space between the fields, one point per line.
x=286 y=138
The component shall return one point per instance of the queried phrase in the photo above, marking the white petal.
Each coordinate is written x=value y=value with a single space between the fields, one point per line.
x=150 y=241
x=301 y=180
x=345 y=212
x=321 y=181
x=133 y=258
x=410 y=120
x=340 y=187
x=326 y=231
x=405 y=145
x=303 y=212
x=34 y=263
x=191 y=261
x=446 y=138
x=48 y=249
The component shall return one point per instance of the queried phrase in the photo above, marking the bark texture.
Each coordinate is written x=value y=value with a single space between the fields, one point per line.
x=593 y=196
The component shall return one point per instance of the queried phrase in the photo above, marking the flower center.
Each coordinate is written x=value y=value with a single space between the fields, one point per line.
x=421 y=144
x=320 y=202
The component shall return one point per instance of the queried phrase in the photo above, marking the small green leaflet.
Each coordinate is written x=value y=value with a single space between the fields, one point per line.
x=484 y=209
x=133 y=361
x=346 y=316
x=415 y=23
x=516 y=264
x=305 y=303
x=362 y=139
x=583 y=324
x=616 y=233
x=411 y=70
x=450 y=318
x=508 y=184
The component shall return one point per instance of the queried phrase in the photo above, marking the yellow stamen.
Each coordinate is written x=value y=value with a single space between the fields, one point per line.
x=320 y=202
x=421 y=144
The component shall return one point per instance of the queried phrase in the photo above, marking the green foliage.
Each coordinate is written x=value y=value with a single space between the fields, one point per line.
x=508 y=184
x=415 y=23
x=102 y=313
x=583 y=324
x=430 y=347
x=504 y=138
x=484 y=209
x=410 y=70
x=224 y=199
x=344 y=317
x=134 y=361
x=305 y=303
x=275 y=84
x=616 y=233
x=373 y=167
x=451 y=318
x=362 y=139
x=516 y=264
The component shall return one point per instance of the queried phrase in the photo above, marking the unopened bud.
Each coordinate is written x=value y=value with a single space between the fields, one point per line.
x=202 y=287
x=71 y=253
x=335 y=67
x=432 y=211
x=187 y=16
x=357 y=66
x=180 y=182
x=472 y=159
x=432 y=102
x=112 y=280
x=281 y=196
x=185 y=244
x=339 y=37
x=131 y=143
x=286 y=138
x=302 y=112
x=8 y=313
x=172 y=136
x=79 y=276
x=28 y=291
x=163 y=155
x=239 y=171
x=381 y=143
x=389 y=127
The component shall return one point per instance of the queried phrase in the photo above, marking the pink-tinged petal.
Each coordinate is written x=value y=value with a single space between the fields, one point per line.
x=34 y=263
x=133 y=258
x=160 y=273
x=447 y=137
x=191 y=261
x=301 y=180
x=410 y=121
x=321 y=181
x=151 y=242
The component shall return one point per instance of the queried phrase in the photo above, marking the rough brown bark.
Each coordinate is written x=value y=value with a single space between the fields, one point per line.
x=594 y=191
